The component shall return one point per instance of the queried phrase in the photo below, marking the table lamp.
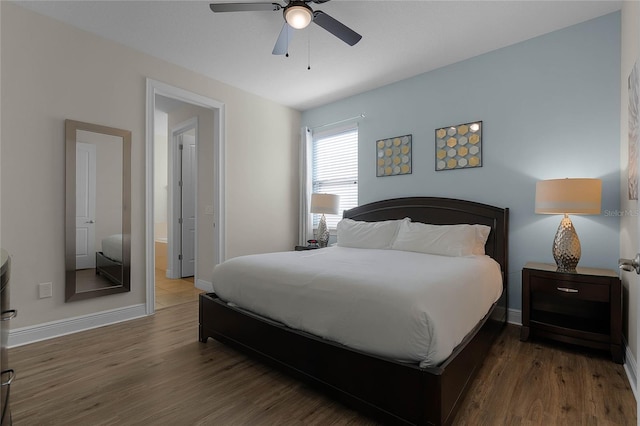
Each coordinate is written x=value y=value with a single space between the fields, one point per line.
x=321 y=204
x=568 y=196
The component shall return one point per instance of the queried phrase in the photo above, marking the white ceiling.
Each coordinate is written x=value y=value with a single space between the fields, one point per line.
x=400 y=39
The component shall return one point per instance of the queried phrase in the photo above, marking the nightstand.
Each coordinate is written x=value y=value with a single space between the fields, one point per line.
x=583 y=308
x=302 y=248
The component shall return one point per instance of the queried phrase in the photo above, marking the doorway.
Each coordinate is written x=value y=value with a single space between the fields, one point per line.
x=182 y=199
x=185 y=209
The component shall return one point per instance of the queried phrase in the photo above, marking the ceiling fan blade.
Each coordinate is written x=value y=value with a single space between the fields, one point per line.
x=244 y=7
x=336 y=28
x=282 y=44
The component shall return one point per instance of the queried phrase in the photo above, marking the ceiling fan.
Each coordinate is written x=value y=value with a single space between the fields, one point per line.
x=297 y=15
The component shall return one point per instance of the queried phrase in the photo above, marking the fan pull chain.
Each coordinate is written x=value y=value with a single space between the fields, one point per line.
x=308 y=48
x=288 y=38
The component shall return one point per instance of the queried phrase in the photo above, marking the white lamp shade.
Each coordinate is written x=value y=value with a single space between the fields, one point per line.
x=325 y=203
x=568 y=196
x=298 y=17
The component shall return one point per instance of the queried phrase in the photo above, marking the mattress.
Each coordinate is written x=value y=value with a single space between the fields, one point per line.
x=406 y=306
x=112 y=247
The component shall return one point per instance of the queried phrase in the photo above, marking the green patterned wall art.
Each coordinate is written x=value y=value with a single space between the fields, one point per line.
x=393 y=156
x=459 y=147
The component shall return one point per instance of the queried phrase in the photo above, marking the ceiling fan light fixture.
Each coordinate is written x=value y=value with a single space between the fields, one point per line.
x=298 y=16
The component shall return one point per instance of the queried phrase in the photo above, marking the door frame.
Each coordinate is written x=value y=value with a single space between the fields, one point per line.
x=153 y=88
x=175 y=209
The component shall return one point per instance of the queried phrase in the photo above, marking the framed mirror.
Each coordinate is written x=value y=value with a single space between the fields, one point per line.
x=98 y=213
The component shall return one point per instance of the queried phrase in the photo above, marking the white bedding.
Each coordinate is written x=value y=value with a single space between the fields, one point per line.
x=407 y=306
x=112 y=247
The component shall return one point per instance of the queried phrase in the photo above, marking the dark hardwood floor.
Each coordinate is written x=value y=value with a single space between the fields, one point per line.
x=153 y=371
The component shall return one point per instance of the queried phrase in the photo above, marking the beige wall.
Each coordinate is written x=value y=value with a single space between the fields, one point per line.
x=50 y=72
x=630 y=50
x=1 y=245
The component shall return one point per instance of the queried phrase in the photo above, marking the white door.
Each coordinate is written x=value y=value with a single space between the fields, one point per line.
x=85 y=205
x=188 y=206
x=634 y=135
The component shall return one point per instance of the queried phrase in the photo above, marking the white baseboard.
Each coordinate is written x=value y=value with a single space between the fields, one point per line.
x=514 y=316
x=204 y=285
x=31 y=334
x=630 y=368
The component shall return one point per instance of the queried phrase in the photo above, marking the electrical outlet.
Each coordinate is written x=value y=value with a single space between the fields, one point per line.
x=45 y=290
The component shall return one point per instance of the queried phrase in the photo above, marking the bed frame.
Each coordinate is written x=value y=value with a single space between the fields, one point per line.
x=109 y=268
x=391 y=391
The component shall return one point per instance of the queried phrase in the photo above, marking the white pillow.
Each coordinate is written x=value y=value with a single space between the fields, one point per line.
x=371 y=235
x=446 y=240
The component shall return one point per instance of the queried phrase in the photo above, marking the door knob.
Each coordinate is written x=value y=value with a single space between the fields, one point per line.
x=90 y=221
x=630 y=264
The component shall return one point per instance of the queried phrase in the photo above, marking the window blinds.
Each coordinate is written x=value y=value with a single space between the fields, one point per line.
x=335 y=169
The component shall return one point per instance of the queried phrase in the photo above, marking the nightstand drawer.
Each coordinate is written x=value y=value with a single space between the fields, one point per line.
x=570 y=289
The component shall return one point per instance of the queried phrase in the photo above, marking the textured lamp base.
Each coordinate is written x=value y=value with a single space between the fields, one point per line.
x=323 y=232
x=566 y=246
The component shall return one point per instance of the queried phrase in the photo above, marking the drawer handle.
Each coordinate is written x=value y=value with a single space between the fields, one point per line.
x=567 y=290
x=7 y=315
x=12 y=375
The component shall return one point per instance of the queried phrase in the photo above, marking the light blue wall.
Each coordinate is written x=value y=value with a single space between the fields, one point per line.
x=550 y=108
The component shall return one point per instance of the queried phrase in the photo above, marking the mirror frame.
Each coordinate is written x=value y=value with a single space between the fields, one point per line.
x=71 y=128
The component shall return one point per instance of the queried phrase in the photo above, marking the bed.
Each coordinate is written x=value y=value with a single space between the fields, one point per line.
x=109 y=260
x=390 y=388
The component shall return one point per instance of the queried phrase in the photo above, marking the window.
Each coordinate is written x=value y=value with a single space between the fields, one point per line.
x=335 y=169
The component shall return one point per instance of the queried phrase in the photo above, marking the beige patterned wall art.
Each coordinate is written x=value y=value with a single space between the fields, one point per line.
x=459 y=147
x=393 y=156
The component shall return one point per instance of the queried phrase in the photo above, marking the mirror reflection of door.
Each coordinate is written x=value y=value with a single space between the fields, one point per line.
x=98 y=210
x=85 y=205
x=187 y=195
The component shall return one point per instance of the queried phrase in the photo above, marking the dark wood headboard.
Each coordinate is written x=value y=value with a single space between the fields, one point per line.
x=445 y=211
